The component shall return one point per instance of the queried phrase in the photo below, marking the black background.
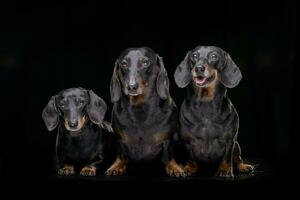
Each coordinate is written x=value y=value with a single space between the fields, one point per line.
x=48 y=46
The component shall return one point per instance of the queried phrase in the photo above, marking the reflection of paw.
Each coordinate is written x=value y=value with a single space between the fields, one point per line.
x=225 y=170
x=66 y=171
x=88 y=171
x=174 y=170
x=190 y=168
x=118 y=168
x=245 y=168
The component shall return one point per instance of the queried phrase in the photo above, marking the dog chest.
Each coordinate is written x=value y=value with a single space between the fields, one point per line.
x=79 y=149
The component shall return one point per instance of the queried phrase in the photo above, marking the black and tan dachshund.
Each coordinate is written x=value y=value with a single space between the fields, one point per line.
x=144 y=114
x=80 y=142
x=208 y=120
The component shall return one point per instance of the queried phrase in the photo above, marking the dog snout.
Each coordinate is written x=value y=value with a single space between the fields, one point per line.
x=73 y=123
x=200 y=69
x=133 y=86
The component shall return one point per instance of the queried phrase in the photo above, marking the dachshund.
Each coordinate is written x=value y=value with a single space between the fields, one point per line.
x=208 y=121
x=144 y=117
x=80 y=142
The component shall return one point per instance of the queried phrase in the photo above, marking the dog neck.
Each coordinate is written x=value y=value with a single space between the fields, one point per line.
x=137 y=100
x=213 y=94
x=205 y=94
x=87 y=125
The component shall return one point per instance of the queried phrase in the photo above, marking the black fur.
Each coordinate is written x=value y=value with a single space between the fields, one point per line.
x=145 y=129
x=209 y=128
x=78 y=144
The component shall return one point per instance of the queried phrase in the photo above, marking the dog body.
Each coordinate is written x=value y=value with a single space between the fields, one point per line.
x=145 y=130
x=208 y=120
x=80 y=141
x=208 y=128
x=144 y=114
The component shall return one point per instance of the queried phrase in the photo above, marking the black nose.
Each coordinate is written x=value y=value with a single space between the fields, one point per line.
x=133 y=87
x=73 y=124
x=200 y=68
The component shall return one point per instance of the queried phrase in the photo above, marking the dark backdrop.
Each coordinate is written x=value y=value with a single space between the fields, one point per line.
x=50 y=45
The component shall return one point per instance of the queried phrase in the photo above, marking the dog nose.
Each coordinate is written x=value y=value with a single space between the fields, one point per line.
x=132 y=86
x=73 y=124
x=200 y=68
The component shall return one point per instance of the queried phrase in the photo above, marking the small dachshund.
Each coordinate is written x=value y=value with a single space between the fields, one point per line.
x=80 y=141
x=208 y=121
x=144 y=116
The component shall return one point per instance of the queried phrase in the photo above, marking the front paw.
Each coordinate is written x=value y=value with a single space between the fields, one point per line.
x=245 y=168
x=67 y=170
x=174 y=170
x=118 y=168
x=225 y=174
x=225 y=170
x=88 y=171
x=190 y=168
x=115 y=171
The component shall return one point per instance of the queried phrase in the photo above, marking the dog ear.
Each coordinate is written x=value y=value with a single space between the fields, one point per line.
x=115 y=86
x=96 y=108
x=230 y=74
x=162 y=80
x=50 y=115
x=182 y=74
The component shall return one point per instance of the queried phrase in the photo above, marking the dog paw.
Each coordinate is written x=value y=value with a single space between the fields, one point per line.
x=224 y=174
x=118 y=168
x=115 y=171
x=174 y=170
x=88 y=171
x=190 y=169
x=66 y=171
x=225 y=170
x=245 y=168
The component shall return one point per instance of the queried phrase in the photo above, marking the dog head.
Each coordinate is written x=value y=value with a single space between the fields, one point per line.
x=74 y=107
x=137 y=72
x=206 y=64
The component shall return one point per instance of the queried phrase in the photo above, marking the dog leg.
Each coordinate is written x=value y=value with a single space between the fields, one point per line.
x=225 y=168
x=238 y=162
x=171 y=166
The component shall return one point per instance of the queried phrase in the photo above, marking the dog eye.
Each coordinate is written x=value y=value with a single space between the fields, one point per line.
x=123 y=64
x=145 y=62
x=213 y=57
x=80 y=102
x=62 y=106
x=195 y=56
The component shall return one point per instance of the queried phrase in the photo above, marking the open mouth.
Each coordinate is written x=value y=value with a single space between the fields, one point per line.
x=203 y=81
x=73 y=129
x=132 y=93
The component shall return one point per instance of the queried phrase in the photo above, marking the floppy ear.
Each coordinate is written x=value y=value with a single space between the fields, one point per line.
x=115 y=87
x=230 y=74
x=96 y=108
x=182 y=74
x=50 y=115
x=162 y=81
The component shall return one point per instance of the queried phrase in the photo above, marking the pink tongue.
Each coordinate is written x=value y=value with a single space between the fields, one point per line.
x=200 y=80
